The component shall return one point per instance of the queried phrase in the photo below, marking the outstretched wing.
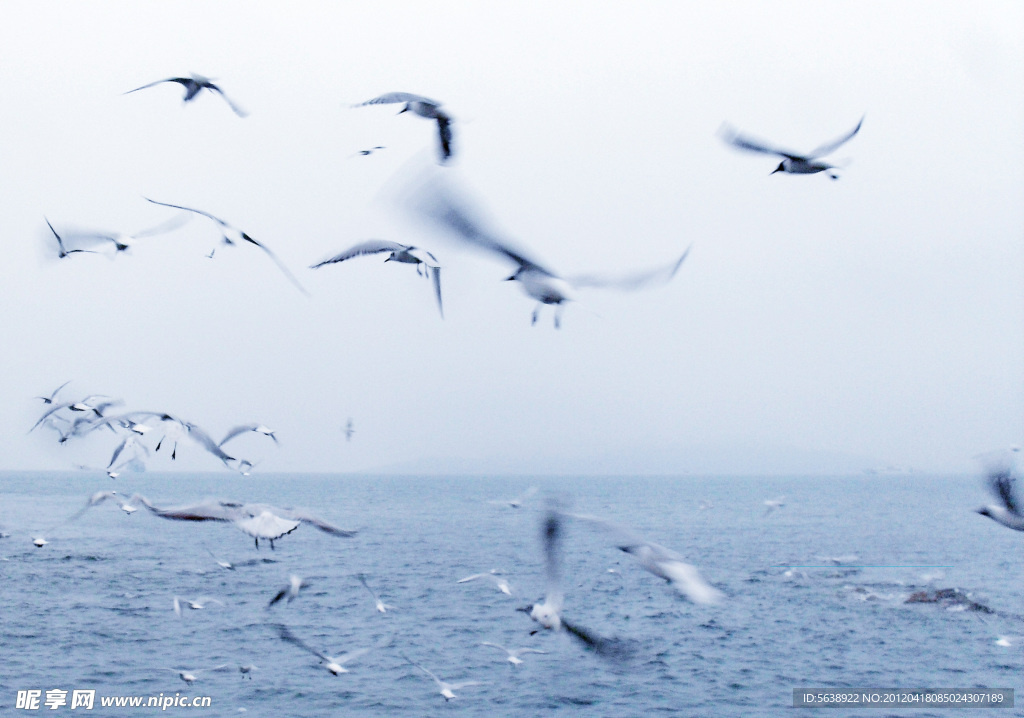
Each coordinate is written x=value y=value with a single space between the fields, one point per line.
x=630 y=282
x=830 y=147
x=1001 y=481
x=234 y=108
x=286 y=635
x=184 y=81
x=752 y=144
x=371 y=246
x=390 y=98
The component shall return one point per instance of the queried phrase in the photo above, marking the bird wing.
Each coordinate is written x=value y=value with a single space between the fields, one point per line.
x=200 y=436
x=495 y=645
x=285 y=633
x=372 y=246
x=180 y=80
x=463 y=684
x=234 y=108
x=319 y=523
x=430 y=673
x=631 y=282
x=830 y=147
x=209 y=511
x=51 y=410
x=437 y=288
x=54 y=394
x=235 y=431
x=351 y=656
x=390 y=98
x=551 y=537
x=746 y=142
x=471 y=578
x=688 y=581
x=362 y=580
x=1001 y=482
x=164 y=227
x=189 y=209
x=444 y=131
x=278 y=262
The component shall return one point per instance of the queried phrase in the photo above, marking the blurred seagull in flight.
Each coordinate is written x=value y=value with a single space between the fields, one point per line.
x=291 y=591
x=662 y=562
x=52 y=397
x=513 y=653
x=191 y=675
x=193 y=86
x=774 y=504
x=424 y=107
x=426 y=263
x=440 y=205
x=380 y=605
x=1001 y=483
x=517 y=502
x=197 y=604
x=62 y=251
x=335 y=664
x=446 y=689
x=363 y=153
x=261 y=521
x=792 y=163
x=232 y=236
x=256 y=428
x=501 y=583
x=349 y=430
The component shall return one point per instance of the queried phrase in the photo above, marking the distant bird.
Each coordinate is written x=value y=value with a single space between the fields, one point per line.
x=363 y=153
x=335 y=664
x=424 y=107
x=1001 y=482
x=662 y=562
x=426 y=263
x=792 y=163
x=380 y=605
x=247 y=670
x=193 y=86
x=349 y=430
x=447 y=690
x=774 y=504
x=517 y=502
x=501 y=583
x=53 y=396
x=439 y=204
x=513 y=653
x=191 y=675
x=291 y=591
x=197 y=604
x=232 y=236
x=261 y=521
x=256 y=428
x=122 y=241
x=39 y=542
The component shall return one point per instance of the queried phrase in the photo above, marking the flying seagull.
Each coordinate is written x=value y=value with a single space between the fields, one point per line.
x=513 y=653
x=191 y=675
x=447 y=690
x=291 y=591
x=381 y=606
x=517 y=502
x=439 y=204
x=1001 y=482
x=792 y=163
x=232 y=236
x=50 y=399
x=193 y=86
x=335 y=664
x=662 y=562
x=261 y=521
x=349 y=430
x=197 y=604
x=501 y=583
x=424 y=107
x=363 y=153
x=426 y=263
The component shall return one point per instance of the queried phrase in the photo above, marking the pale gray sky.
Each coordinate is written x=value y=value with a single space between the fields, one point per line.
x=869 y=322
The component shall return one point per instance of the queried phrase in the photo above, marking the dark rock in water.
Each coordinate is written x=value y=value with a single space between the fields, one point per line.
x=950 y=598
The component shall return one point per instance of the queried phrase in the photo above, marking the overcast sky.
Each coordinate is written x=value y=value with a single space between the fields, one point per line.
x=875 y=321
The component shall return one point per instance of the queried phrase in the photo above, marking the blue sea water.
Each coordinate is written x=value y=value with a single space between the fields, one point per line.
x=93 y=608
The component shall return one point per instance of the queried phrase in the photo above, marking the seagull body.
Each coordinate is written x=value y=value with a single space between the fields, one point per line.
x=1001 y=482
x=439 y=205
x=232 y=236
x=291 y=591
x=424 y=107
x=513 y=653
x=501 y=583
x=261 y=521
x=193 y=86
x=792 y=163
x=425 y=262
x=446 y=689
x=334 y=664
x=197 y=604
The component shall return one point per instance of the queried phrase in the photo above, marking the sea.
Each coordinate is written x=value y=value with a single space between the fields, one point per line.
x=856 y=584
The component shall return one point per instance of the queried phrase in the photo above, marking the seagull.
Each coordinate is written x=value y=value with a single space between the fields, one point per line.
x=517 y=502
x=193 y=86
x=1001 y=482
x=261 y=521
x=247 y=670
x=381 y=606
x=440 y=205
x=232 y=236
x=335 y=664
x=130 y=442
x=447 y=689
x=424 y=107
x=513 y=653
x=363 y=153
x=792 y=163
x=774 y=504
x=501 y=583
x=257 y=428
x=190 y=676
x=291 y=591
x=426 y=263
x=349 y=430
x=52 y=397
x=196 y=605
x=122 y=242
x=662 y=562
x=39 y=542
